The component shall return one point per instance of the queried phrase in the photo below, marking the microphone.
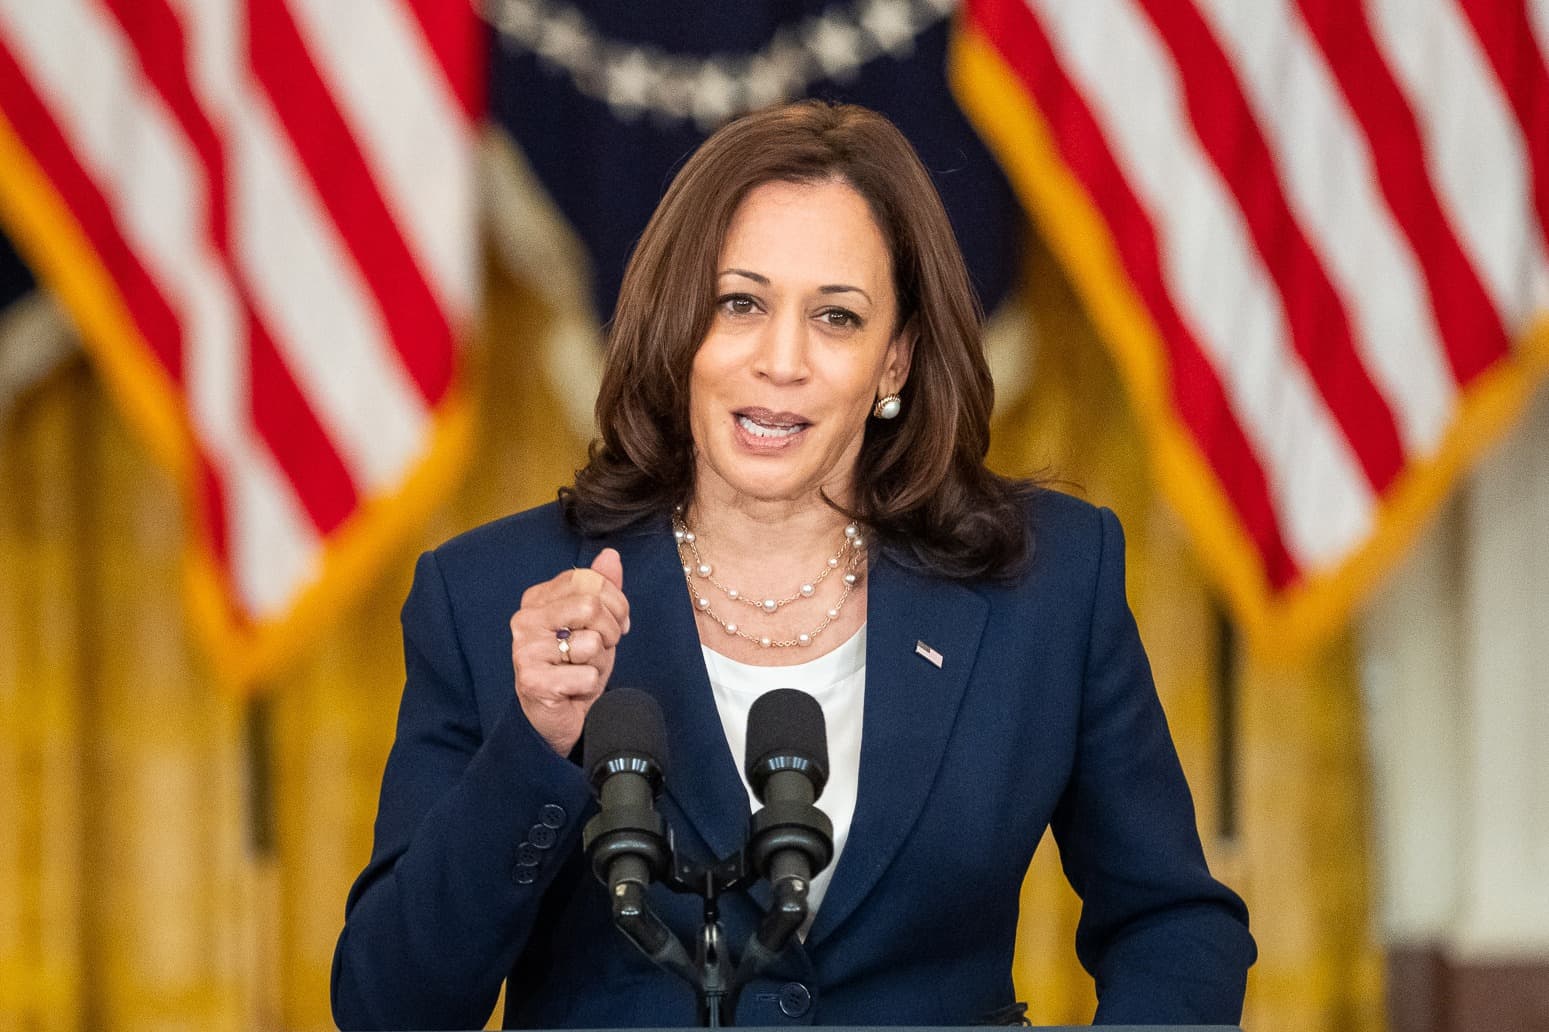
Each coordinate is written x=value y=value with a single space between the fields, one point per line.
x=789 y=839
x=787 y=766
x=625 y=757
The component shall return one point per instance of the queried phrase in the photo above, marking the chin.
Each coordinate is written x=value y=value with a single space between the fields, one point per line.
x=765 y=488
x=766 y=480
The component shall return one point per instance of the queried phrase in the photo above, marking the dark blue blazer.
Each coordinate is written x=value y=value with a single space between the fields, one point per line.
x=1042 y=713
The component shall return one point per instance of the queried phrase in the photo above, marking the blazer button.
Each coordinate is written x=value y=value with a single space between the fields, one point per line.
x=527 y=855
x=552 y=816
x=795 y=1000
x=525 y=875
x=542 y=836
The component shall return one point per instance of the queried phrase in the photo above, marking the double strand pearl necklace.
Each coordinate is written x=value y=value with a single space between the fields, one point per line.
x=850 y=554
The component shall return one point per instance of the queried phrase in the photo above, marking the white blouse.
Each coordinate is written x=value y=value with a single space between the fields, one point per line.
x=838 y=682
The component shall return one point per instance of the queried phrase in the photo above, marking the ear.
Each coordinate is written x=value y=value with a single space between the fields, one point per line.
x=900 y=354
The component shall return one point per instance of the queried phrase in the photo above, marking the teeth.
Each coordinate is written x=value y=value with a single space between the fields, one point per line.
x=765 y=430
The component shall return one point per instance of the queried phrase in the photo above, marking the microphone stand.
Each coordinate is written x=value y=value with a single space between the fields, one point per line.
x=764 y=947
x=717 y=979
x=712 y=959
x=633 y=916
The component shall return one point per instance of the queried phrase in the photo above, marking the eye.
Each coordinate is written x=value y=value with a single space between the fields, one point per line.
x=737 y=304
x=841 y=318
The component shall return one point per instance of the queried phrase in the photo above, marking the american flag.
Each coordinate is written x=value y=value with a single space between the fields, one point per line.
x=260 y=215
x=1312 y=233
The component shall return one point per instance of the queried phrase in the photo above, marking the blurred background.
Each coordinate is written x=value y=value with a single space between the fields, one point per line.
x=294 y=289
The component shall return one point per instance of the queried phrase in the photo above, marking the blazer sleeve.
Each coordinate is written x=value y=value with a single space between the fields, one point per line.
x=1163 y=940
x=456 y=877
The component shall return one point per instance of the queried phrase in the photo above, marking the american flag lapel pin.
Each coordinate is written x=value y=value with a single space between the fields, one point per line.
x=922 y=649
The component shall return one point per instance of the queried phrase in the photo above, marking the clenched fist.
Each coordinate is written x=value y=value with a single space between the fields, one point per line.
x=585 y=610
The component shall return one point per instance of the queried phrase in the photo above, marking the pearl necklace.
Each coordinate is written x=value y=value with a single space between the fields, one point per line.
x=850 y=555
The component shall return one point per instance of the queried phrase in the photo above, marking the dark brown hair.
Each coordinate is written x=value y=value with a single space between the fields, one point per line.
x=921 y=484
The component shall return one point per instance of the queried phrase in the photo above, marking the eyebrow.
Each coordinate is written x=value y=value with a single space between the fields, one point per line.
x=827 y=288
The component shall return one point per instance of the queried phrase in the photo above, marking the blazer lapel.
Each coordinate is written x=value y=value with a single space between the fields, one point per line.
x=909 y=710
x=661 y=655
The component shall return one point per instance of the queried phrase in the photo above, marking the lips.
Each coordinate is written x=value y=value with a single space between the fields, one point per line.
x=767 y=426
x=770 y=420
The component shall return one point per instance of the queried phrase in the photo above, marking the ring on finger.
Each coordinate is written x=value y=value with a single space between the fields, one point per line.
x=562 y=636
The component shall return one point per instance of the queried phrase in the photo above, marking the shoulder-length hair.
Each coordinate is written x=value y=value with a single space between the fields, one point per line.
x=921 y=484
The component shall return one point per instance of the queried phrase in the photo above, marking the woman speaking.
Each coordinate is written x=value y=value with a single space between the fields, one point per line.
x=789 y=490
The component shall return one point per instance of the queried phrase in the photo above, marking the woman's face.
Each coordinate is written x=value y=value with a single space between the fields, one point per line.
x=800 y=346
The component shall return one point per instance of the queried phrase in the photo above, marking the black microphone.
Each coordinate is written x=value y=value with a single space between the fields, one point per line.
x=787 y=765
x=625 y=758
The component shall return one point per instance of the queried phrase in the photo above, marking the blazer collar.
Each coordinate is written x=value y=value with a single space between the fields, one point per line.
x=910 y=704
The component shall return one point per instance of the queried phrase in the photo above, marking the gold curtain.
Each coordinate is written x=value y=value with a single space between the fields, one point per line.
x=174 y=858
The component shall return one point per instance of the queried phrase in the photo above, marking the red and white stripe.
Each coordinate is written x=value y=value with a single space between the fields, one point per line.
x=1333 y=212
x=282 y=192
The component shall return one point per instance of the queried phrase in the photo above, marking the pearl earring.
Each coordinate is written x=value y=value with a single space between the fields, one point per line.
x=888 y=407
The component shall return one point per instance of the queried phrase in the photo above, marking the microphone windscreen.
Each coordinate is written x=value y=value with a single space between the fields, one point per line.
x=624 y=721
x=787 y=722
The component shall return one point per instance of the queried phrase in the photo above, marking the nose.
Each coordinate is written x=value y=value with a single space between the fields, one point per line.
x=782 y=349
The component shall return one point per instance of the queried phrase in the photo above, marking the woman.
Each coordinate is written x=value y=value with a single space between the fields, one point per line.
x=794 y=418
